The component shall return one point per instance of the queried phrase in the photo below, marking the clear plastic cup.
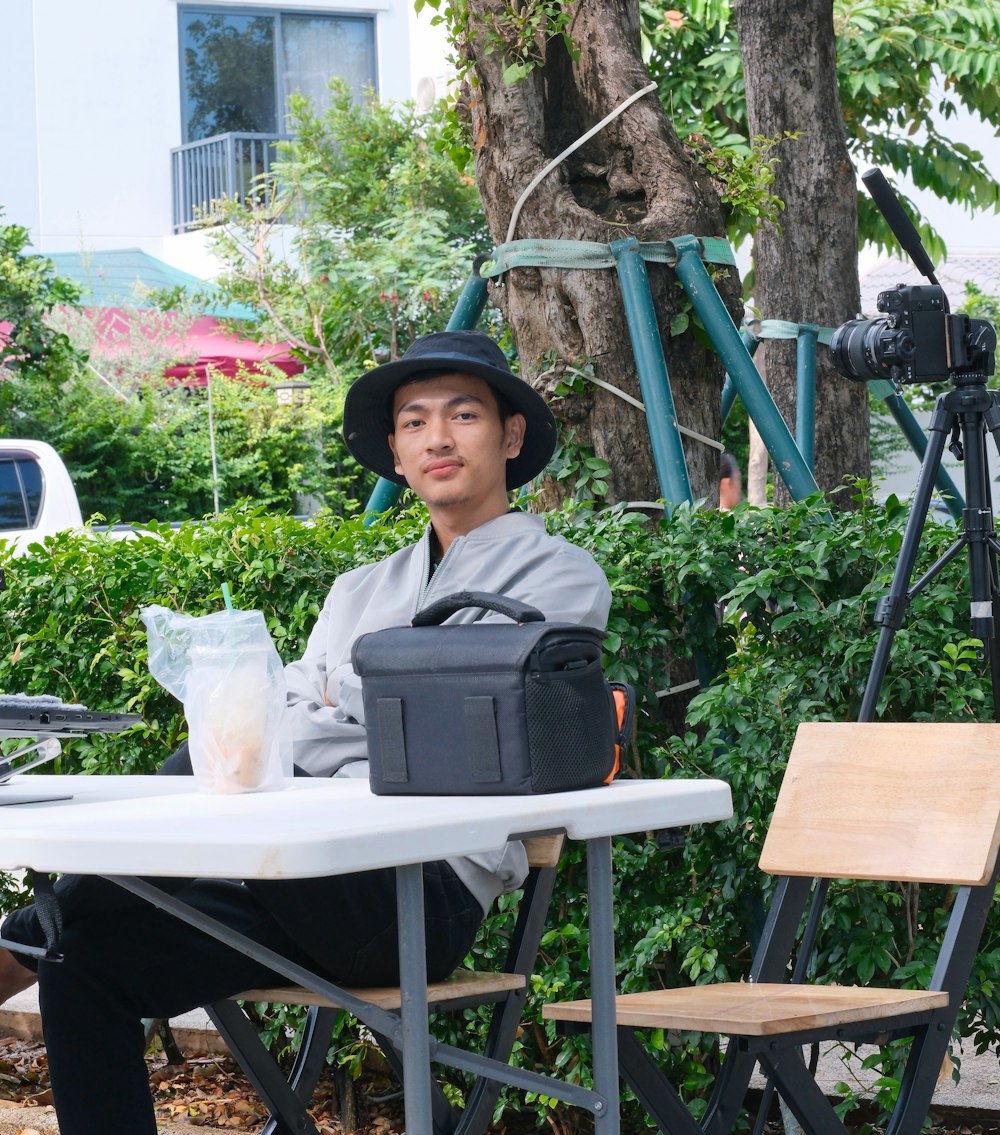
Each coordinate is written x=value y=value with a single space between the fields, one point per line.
x=233 y=718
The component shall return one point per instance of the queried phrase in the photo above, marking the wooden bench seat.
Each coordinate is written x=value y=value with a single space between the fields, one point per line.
x=462 y=985
x=757 y=1009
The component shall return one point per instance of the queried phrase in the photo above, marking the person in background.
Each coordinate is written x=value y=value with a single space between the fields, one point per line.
x=730 y=482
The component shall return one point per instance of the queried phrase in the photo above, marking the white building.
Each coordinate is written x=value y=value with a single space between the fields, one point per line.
x=121 y=115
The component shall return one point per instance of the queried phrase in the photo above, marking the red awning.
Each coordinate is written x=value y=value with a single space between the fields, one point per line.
x=200 y=344
x=195 y=345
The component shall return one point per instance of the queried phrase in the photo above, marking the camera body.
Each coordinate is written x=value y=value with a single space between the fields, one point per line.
x=918 y=340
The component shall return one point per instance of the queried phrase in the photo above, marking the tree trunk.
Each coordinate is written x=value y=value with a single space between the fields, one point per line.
x=808 y=271
x=634 y=178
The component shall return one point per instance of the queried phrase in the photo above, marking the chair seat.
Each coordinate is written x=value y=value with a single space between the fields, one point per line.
x=745 y=1009
x=455 y=987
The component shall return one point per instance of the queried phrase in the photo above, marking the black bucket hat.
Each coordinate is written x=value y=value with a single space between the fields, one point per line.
x=368 y=406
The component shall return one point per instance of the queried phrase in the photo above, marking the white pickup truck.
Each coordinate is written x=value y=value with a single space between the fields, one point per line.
x=37 y=496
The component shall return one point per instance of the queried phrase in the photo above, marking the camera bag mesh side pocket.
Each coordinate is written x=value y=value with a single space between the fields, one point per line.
x=570 y=717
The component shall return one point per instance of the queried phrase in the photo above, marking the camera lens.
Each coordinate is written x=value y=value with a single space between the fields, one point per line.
x=869 y=348
x=850 y=349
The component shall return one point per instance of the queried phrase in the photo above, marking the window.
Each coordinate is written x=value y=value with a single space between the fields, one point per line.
x=20 y=493
x=238 y=67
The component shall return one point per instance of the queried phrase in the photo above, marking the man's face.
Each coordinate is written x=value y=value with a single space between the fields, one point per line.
x=450 y=445
x=730 y=490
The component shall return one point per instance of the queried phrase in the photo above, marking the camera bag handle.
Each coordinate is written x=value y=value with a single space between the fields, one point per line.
x=513 y=608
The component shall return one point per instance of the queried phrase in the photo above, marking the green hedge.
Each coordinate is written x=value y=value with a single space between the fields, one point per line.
x=778 y=602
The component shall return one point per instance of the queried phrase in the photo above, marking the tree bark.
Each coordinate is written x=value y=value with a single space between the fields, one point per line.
x=634 y=178
x=806 y=271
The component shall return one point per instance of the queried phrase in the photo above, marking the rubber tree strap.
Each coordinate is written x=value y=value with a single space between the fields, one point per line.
x=589 y=254
x=783 y=329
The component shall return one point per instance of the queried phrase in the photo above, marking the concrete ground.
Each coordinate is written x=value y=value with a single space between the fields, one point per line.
x=974 y=1101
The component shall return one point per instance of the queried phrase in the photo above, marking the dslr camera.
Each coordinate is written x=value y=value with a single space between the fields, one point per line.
x=917 y=340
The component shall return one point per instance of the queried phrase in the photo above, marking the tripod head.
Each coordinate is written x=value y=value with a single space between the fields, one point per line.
x=918 y=340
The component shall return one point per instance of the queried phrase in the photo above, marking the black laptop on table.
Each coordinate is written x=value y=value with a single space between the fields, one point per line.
x=59 y=721
x=45 y=717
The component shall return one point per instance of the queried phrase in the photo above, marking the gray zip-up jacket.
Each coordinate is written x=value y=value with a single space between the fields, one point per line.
x=512 y=555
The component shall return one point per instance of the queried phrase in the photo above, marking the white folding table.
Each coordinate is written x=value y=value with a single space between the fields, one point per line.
x=124 y=827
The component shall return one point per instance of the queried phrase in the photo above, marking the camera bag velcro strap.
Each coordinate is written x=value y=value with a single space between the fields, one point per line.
x=486 y=707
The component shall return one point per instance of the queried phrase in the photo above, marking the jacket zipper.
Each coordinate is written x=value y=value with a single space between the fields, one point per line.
x=432 y=579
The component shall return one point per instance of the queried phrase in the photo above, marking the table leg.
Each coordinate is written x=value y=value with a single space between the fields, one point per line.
x=413 y=999
x=604 y=1031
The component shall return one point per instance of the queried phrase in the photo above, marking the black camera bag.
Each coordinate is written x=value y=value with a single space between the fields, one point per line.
x=487 y=708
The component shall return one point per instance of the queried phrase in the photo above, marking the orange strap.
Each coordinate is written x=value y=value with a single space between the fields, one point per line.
x=620 y=696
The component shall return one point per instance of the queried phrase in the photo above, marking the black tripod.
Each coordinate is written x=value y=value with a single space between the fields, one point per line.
x=964 y=414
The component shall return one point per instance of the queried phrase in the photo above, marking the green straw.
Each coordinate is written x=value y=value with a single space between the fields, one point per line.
x=227 y=597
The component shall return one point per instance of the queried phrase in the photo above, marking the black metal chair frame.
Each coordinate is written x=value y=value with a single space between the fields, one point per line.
x=913 y=802
x=780 y=1056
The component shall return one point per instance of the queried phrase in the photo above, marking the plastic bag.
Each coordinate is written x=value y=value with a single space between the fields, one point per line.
x=226 y=671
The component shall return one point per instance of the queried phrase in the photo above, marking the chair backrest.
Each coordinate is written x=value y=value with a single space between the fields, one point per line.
x=915 y=802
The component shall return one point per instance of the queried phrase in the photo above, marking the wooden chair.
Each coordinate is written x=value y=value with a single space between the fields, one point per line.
x=906 y=802
x=287 y=1097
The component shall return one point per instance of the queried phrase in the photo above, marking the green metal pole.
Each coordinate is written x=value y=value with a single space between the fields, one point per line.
x=915 y=435
x=760 y=406
x=384 y=496
x=805 y=392
x=654 y=381
x=751 y=342
x=468 y=309
x=728 y=398
x=469 y=305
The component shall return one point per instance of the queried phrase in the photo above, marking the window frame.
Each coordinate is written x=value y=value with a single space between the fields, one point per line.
x=278 y=76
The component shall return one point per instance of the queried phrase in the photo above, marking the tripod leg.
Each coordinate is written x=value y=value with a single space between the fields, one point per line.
x=978 y=519
x=893 y=607
x=992 y=644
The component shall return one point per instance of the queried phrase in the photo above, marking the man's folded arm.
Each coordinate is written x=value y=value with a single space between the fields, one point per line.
x=327 y=728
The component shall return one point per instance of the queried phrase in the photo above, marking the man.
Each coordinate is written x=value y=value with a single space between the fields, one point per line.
x=451 y=421
x=730 y=482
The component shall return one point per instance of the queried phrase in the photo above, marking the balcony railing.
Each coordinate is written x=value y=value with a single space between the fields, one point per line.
x=226 y=165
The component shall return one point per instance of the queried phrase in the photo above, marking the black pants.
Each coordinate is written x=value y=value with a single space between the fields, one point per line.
x=125 y=960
